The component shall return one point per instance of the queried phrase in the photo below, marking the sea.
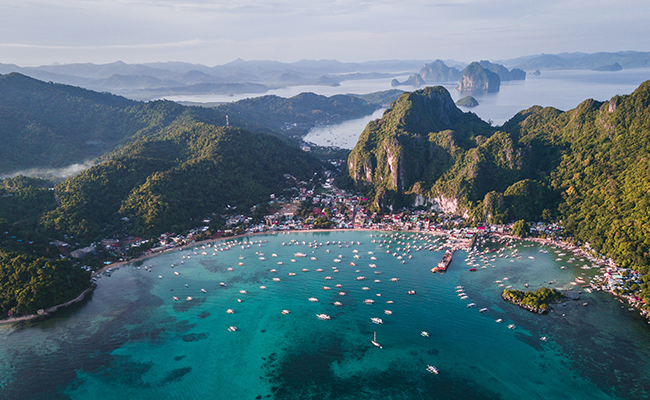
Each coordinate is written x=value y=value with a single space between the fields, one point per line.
x=563 y=89
x=160 y=328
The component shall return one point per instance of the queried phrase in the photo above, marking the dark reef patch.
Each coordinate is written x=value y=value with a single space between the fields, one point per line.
x=193 y=337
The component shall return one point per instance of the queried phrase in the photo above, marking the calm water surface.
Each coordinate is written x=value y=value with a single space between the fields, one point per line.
x=560 y=89
x=132 y=340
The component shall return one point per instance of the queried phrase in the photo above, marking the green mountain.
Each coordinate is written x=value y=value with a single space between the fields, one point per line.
x=588 y=167
x=294 y=116
x=53 y=125
x=412 y=145
x=46 y=125
x=166 y=181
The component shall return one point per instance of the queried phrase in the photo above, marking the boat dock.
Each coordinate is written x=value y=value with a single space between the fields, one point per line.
x=444 y=263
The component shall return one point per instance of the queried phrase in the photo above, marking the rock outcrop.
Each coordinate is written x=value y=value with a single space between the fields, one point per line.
x=413 y=80
x=478 y=79
x=467 y=101
x=514 y=74
x=438 y=71
x=412 y=145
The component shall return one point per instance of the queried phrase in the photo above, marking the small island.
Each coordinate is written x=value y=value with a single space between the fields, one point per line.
x=475 y=78
x=609 y=68
x=467 y=101
x=537 y=302
x=413 y=80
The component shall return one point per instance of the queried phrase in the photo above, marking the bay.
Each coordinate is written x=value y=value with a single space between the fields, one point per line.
x=563 y=89
x=132 y=340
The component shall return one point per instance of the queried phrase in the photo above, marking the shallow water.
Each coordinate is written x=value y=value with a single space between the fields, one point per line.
x=132 y=340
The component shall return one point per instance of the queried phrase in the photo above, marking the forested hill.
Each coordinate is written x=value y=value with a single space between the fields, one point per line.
x=588 y=167
x=48 y=125
x=294 y=116
x=187 y=172
x=52 y=125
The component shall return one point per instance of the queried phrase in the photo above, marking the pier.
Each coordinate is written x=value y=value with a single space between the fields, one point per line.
x=444 y=263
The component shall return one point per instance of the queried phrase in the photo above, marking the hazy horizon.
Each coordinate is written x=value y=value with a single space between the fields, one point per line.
x=208 y=32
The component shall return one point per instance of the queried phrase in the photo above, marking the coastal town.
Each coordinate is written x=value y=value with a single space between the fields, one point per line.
x=320 y=205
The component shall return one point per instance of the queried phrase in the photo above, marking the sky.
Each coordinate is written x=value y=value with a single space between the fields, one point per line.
x=214 y=32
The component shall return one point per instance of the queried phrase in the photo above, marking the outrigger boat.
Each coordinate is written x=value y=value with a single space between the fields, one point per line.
x=432 y=369
x=374 y=341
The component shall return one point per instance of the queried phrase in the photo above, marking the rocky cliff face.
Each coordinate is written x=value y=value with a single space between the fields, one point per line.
x=438 y=71
x=478 y=79
x=514 y=74
x=411 y=146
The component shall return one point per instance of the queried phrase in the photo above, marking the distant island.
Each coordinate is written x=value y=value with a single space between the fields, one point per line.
x=475 y=78
x=609 y=68
x=413 y=80
x=467 y=101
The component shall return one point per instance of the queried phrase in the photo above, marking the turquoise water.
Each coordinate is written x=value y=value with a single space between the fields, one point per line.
x=132 y=340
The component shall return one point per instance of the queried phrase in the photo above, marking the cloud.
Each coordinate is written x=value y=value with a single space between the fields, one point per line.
x=217 y=31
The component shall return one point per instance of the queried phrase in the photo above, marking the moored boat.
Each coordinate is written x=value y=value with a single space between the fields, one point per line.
x=432 y=369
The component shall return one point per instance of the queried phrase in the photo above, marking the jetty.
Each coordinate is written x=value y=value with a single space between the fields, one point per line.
x=444 y=263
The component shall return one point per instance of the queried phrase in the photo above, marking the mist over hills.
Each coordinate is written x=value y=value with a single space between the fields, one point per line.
x=153 y=80
x=50 y=125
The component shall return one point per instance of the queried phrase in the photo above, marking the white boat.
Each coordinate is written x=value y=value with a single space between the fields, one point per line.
x=300 y=254
x=230 y=311
x=377 y=321
x=374 y=341
x=323 y=317
x=338 y=303
x=388 y=312
x=511 y=326
x=368 y=301
x=432 y=369
x=360 y=278
x=483 y=310
x=313 y=299
x=471 y=305
x=232 y=328
x=424 y=333
x=499 y=320
x=285 y=312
